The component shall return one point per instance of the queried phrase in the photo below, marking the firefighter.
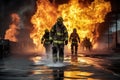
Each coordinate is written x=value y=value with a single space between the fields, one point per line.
x=59 y=38
x=74 y=39
x=46 y=41
x=87 y=44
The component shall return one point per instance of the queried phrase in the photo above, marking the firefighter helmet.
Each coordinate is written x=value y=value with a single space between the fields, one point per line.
x=75 y=30
x=59 y=19
x=46 y=30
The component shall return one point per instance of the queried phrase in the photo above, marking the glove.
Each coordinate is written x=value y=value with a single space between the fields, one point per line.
x=66 y=42
x=51 y=41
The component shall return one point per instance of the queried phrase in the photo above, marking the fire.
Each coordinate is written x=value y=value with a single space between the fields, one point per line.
x=36 y=59
x=85 y=19
x=44 y=17
x=12 y=31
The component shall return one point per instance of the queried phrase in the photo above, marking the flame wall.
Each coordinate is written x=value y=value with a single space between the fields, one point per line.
x=86 y=17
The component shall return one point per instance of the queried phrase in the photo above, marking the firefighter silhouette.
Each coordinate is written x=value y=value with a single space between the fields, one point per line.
x=74 y=39
x=86 y=44
x=46 y=41
x=59 y=38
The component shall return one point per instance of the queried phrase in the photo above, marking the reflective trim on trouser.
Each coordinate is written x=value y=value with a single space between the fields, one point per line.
x=61 y=59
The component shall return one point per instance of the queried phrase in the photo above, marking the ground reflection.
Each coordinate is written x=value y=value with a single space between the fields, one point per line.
x=38 y=68
x=77 y=74
x=69 y=72
x=58 y=74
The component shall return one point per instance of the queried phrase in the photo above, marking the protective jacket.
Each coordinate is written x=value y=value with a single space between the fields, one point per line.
x=74 y=38
x=45 y=39
x=59 y=34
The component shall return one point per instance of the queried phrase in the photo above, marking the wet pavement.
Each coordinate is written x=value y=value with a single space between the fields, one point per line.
x=76 y=68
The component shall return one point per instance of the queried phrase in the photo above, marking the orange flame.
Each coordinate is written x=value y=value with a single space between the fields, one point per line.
x=44 y=18
x=85 y=18
x=12 y=31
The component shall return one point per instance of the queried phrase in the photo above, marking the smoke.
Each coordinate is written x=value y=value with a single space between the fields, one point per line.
x=24 y=9
x=25 y=12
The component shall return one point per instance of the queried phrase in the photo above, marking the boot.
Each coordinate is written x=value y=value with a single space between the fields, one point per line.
x=55 y=59
x=61 y=59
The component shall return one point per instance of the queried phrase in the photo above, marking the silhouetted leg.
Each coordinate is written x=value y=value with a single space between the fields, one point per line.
x=72 y=51
x=55 y=54
x=47 y=47
x=61 y=54
x=76 y=49
x=75 y=57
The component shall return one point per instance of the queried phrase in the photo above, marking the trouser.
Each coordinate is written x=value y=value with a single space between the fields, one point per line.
x=47 y=49
x=74 y=48
x=58 y=52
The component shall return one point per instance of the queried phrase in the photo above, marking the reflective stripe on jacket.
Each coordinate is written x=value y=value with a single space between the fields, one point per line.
x=58 y=34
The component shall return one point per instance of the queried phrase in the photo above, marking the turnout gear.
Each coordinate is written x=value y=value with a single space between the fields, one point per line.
x=59 y=37
x=46 y=41
x=60 y=19
x=46 y=31
x=74 y=38
x=87 y=44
